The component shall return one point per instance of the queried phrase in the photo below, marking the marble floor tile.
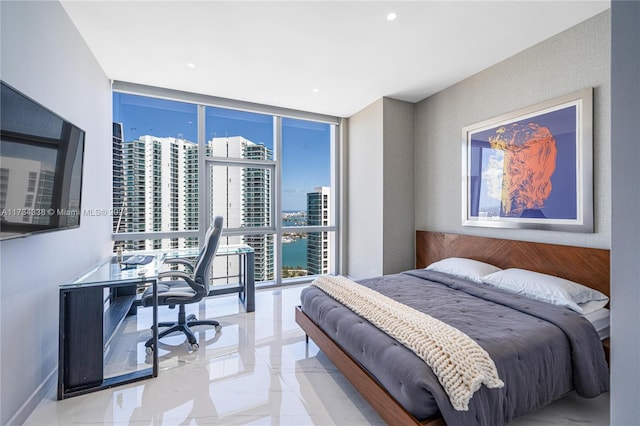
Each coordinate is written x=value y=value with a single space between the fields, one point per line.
x=258 y=370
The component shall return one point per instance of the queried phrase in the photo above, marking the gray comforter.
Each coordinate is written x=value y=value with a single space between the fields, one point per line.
x=541 y=351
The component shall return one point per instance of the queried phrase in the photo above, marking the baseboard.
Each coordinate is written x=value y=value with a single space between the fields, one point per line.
x=46 y=387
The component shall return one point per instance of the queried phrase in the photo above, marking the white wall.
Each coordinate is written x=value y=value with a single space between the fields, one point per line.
x=364 y=218
x=572 y=60
x=380 y=213
x=625 y=233
x=44 y=57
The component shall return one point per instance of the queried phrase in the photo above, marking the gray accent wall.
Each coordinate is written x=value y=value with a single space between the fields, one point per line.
x=625 y=232
x=398 y=227
x=44 y=56
x=379 y=206
x=572 y=60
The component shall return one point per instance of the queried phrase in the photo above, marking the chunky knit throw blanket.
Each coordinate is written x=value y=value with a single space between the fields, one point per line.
x=460 y=364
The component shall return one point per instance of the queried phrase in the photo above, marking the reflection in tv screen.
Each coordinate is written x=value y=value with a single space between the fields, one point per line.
x=41 y=158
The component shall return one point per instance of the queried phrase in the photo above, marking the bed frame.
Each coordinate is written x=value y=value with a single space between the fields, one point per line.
x=588 y=266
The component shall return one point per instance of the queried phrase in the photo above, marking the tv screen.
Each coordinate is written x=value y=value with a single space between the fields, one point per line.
x=41 y=157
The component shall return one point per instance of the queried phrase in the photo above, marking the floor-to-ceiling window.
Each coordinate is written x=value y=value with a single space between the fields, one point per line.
x=307 y=198
x=180 y=159
x=155 y=162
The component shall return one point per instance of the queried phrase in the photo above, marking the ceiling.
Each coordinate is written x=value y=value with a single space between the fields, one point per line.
x=329 y=57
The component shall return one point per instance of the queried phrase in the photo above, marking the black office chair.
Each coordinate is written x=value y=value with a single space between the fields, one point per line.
x=186 y=287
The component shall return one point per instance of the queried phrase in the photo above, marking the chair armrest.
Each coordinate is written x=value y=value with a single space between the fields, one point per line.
x=175 y=274
x=179 y=261
x=188 y=279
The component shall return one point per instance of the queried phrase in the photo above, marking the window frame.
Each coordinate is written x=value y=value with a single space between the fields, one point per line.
x=204 y=162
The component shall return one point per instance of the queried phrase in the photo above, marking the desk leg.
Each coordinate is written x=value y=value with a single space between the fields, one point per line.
x=155 y=328
x=250 y=283
x=80 y=363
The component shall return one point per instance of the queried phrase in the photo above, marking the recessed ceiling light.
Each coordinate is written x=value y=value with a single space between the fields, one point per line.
x=316 y=90
x=191 y=65
x=391 y=16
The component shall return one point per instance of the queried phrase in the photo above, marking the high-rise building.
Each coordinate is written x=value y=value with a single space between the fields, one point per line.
x=158 y=189
x=318 y=244
x=243 y=196
x=156 y=181
x=191 y=200
x=118 y=177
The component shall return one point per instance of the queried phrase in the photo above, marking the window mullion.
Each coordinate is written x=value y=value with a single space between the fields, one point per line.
x=204 y=190
x=336 y=194
x=277 y=199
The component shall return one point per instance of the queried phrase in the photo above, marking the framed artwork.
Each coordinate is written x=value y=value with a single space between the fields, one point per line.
x=531 y=168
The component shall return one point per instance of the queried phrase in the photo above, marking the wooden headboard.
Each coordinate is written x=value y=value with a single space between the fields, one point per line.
x=588 y=266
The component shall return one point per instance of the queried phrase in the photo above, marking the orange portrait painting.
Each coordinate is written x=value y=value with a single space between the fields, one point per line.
x=531 y=168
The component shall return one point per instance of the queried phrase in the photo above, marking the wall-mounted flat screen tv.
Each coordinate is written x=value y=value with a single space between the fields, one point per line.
x=41 y=157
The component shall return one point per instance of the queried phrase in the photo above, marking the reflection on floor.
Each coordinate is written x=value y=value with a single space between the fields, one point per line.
x=257 y=370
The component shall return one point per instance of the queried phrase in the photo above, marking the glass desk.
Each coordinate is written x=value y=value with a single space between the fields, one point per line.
x=94 y=305
x=109 y=270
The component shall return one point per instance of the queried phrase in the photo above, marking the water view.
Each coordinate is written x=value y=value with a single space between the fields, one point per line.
x=294 y=254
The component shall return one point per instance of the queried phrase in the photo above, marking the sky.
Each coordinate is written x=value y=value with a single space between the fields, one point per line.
x=306 y=145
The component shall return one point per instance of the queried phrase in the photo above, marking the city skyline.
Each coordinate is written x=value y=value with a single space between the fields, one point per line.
x=159 y=188
x=156 y=151
x=306 y=145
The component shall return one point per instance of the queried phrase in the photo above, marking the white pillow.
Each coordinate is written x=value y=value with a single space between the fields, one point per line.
x=593 y=305
x=546 y=288
x=470 y=269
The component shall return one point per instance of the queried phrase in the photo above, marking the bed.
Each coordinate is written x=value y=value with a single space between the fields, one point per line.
x=403 y=390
